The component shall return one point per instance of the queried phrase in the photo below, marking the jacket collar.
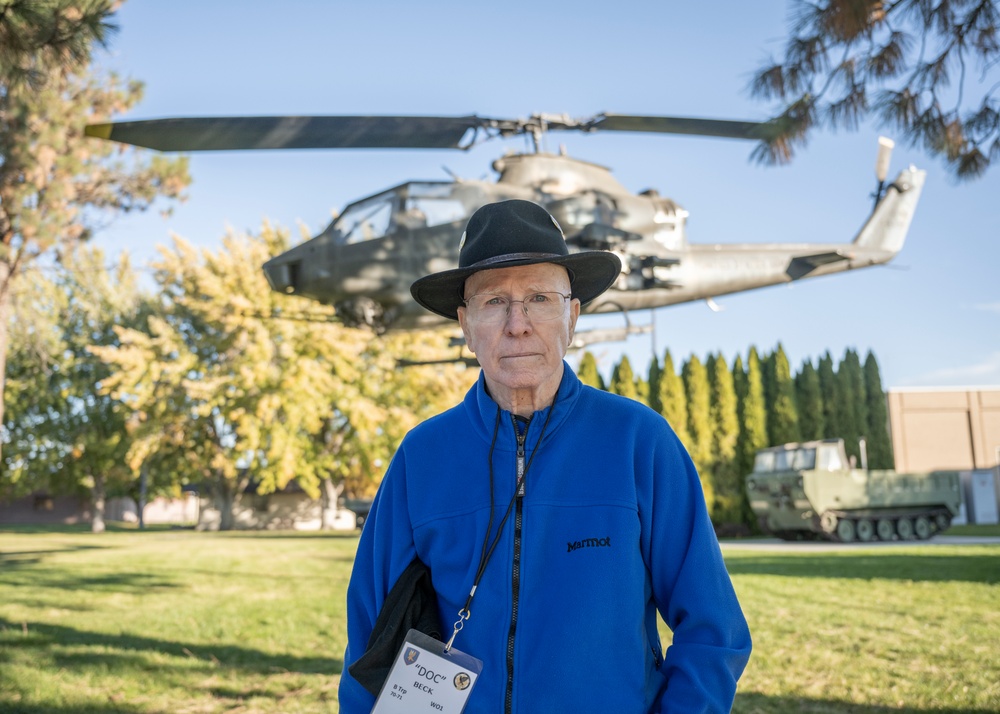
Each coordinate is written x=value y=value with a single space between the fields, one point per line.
x=482 y=412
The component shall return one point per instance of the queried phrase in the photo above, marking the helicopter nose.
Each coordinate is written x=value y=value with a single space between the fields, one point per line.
x=284 y=273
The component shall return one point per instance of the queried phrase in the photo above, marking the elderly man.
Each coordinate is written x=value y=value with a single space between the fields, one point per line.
x=556 y=520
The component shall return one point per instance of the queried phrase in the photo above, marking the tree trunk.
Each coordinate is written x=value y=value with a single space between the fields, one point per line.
x=224 y=502
x=229 y=498
x=141 y=502
x=97 y=521
x=5 y=280
x=329 y=495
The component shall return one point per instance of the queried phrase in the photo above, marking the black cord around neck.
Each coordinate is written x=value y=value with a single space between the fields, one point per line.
x=485 y=554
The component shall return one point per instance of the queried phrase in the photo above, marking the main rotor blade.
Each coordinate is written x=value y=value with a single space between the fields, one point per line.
x=684 y=125
x=301 y=132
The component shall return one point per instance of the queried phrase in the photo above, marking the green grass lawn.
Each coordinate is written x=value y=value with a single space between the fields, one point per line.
x=186 y=622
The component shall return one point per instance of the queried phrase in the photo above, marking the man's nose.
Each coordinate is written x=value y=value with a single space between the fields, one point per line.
x=518 y=321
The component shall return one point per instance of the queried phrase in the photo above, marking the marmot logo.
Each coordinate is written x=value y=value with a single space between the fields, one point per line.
x=589 y=543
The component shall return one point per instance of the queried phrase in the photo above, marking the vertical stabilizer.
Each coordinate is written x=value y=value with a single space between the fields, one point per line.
x=887 y=227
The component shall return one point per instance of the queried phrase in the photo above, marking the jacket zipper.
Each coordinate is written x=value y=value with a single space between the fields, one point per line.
x=516 y=570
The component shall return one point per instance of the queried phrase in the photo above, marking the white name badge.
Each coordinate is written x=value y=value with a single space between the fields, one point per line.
x=424 y=678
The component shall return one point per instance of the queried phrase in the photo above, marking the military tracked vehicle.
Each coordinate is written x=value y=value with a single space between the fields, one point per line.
x=810 y=490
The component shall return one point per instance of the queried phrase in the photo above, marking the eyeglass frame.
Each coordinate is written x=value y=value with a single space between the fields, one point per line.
x=524 y=307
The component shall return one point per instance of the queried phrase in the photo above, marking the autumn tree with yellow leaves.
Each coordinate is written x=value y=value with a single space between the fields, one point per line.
x=64 y=434
x=234 y=386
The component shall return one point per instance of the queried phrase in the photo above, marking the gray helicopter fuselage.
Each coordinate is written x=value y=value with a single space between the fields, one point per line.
x=366 y=259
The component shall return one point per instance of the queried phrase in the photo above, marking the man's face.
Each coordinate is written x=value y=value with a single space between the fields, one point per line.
x=520 y=353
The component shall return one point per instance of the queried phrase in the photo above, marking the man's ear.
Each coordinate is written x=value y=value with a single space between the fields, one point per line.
x=574 y=315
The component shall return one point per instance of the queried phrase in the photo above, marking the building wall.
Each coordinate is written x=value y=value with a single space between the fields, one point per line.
x=183 y=510
x=45 y=509
x=276 y=511
x=945 y=428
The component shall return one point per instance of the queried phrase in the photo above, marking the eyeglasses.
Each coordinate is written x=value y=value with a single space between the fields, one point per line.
x=488 y=308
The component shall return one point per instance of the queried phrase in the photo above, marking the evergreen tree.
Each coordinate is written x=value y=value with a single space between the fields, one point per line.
x=753 y=424
x=900 y=60
x=696 y=387
x=783 y=420
x=653 y=400
x=768 y=382
x=587 y=371
x=827 y=376
x=879 y=442
x=37 y=38
x=622 y=379
x=55 y=183
x=673 y=400
x=727 y=482
x=739 y=384
x=809 y=401
x=642 y=390
x=851 y=409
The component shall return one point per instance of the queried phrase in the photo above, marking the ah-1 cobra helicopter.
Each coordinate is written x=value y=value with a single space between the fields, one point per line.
x=366 y=259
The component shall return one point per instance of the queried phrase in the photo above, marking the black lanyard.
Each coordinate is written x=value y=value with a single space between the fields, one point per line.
x=486 y=554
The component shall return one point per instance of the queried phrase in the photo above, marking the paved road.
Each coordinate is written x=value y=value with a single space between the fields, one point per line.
x=774 y=544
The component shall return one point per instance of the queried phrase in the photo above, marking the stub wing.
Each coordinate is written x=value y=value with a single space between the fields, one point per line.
x=802 y=265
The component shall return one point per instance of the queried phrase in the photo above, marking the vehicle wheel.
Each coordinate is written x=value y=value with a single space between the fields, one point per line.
x=922 y=528
x=828 y=522
x=885 y=529
x=904 y=529
x=942 y=522
x=866 y=530
x=846 y=530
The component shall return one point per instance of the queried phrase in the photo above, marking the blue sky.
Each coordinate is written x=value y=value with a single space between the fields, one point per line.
x=932 y=317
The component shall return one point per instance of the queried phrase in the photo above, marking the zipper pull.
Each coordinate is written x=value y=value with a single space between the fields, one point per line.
x=521 y=438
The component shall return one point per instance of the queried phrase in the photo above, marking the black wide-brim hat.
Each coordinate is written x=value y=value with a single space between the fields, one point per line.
x=508 y=234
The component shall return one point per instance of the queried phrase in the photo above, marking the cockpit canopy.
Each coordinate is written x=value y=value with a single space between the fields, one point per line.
x=410 y=206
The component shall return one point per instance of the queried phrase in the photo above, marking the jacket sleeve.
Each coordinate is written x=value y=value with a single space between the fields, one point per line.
x=384 y=551
x=693 y=591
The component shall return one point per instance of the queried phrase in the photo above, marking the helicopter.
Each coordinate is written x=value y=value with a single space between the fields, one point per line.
x=365 y=260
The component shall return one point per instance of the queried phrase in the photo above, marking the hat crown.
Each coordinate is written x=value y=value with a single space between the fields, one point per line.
x=510 y=230
x=512 y=233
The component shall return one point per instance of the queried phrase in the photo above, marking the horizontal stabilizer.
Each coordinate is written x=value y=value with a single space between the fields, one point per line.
x=805 y=264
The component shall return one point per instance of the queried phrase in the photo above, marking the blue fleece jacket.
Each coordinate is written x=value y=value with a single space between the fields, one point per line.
x=613 y=528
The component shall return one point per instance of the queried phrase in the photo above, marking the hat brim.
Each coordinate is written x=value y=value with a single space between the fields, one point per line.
x=592 y=272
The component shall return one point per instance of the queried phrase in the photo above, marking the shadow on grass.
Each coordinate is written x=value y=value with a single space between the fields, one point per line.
x=75 y=528
x=284 y=535
x=130 y=583
x=967 y=567
x=49 y=708
x=44 y=635
x=753 y=703
x=20 y=558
